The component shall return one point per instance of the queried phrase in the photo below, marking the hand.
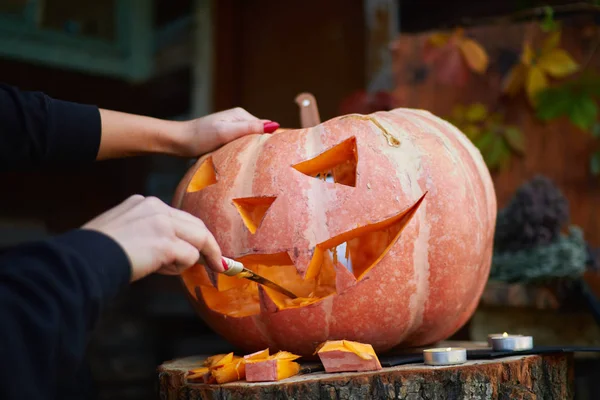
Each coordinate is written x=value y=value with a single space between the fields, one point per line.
x=205 y=134
x=126 y=135
x=158 y=238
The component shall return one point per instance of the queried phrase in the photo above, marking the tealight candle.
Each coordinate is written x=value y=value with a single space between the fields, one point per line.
x=445 y=356
x=493 y=335
x=506 y=342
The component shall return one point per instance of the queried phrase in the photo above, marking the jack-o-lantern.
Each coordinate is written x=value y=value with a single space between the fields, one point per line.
x=382 y=224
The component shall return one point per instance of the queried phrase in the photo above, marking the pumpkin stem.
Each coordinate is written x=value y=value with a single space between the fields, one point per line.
x=309 y=112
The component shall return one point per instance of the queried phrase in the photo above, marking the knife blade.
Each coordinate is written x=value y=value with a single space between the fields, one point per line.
x=252 y=276
x=236 y=268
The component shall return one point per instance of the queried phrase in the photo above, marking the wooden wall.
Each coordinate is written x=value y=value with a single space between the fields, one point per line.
x=268 y=51
x=557 y=149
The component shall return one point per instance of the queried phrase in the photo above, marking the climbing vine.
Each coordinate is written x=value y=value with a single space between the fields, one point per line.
x=489 y=132
x=555 y=84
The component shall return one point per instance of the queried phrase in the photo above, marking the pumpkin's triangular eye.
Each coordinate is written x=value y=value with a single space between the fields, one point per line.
x=253 y=210
x=339 y=161
x=204 y=176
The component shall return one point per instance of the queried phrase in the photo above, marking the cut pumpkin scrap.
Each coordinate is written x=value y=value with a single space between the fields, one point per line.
x=262 y=367
x=204 y=176
x=220 y=368
x=358 y=251
x=348 y=356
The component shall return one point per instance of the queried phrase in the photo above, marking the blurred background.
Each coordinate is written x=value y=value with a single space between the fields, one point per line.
x=520 y=78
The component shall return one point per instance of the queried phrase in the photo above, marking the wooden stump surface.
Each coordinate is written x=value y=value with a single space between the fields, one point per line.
x=548 y=377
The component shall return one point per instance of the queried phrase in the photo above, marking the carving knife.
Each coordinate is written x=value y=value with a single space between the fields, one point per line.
x=236 y=268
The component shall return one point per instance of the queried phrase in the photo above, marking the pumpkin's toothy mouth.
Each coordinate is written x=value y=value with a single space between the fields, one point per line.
x=357 y=251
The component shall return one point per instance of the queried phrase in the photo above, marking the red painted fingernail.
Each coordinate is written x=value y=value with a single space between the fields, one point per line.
x=270 y=127
x=224 y=264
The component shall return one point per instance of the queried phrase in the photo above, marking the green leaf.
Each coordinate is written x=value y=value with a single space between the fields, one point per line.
x=514 y=138
x=548 y=24
x=583 y=112
x=566 y=100
x=553 y=103
x=497 y=152
x=595 y=164
x=588 y=83
x=484 y=141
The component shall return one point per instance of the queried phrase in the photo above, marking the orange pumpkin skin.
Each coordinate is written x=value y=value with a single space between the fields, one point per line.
x=421 y=289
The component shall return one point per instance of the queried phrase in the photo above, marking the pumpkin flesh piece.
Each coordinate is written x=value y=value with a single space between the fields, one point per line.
x=238 y=297
x=348 y=356
x=220 y=368
x=262 y=367
x=234 y=371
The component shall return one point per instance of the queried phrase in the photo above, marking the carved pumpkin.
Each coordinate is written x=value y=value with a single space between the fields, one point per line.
x=383 y=224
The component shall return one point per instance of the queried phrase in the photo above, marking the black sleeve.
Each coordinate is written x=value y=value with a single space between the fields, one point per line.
x=36 y=130
x=51 y=293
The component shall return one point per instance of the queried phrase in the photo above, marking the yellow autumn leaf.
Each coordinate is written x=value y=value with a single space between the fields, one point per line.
x=476 y=112
x=438 y=39
x=551 y=42
x=536 y=81
x=471 y=131
x=557 y=63
x=475 y=55
x=515 y=79
x=527 y=56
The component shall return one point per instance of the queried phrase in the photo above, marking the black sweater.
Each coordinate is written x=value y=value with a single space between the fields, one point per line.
x=51 y=291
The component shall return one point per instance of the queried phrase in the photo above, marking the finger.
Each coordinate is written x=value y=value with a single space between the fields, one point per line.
x=184 y=215
x=231 y=130
x=242 y=114
x=118 y=210
x=149 y=206
x=185 y=256
x=200 y=237
x=171 y=269
x=126 y=205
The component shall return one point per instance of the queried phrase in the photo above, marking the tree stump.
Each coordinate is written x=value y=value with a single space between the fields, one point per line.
x=533 y=377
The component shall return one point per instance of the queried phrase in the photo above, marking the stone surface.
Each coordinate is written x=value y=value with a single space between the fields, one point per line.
x=521 y=377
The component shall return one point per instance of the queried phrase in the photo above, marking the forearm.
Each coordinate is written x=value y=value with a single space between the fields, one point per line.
x=51 y=293
x=37 y=130
x=125 y=135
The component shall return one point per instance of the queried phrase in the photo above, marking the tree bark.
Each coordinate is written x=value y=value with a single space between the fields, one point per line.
x=547 y=377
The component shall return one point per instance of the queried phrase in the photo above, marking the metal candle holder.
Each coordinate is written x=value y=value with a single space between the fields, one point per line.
x=493 y=335
x=445 y=356
x=512 y=342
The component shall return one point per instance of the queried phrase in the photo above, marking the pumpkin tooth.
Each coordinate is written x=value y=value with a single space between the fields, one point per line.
x=344 y=279
x=302 y=260
x=266 y=302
